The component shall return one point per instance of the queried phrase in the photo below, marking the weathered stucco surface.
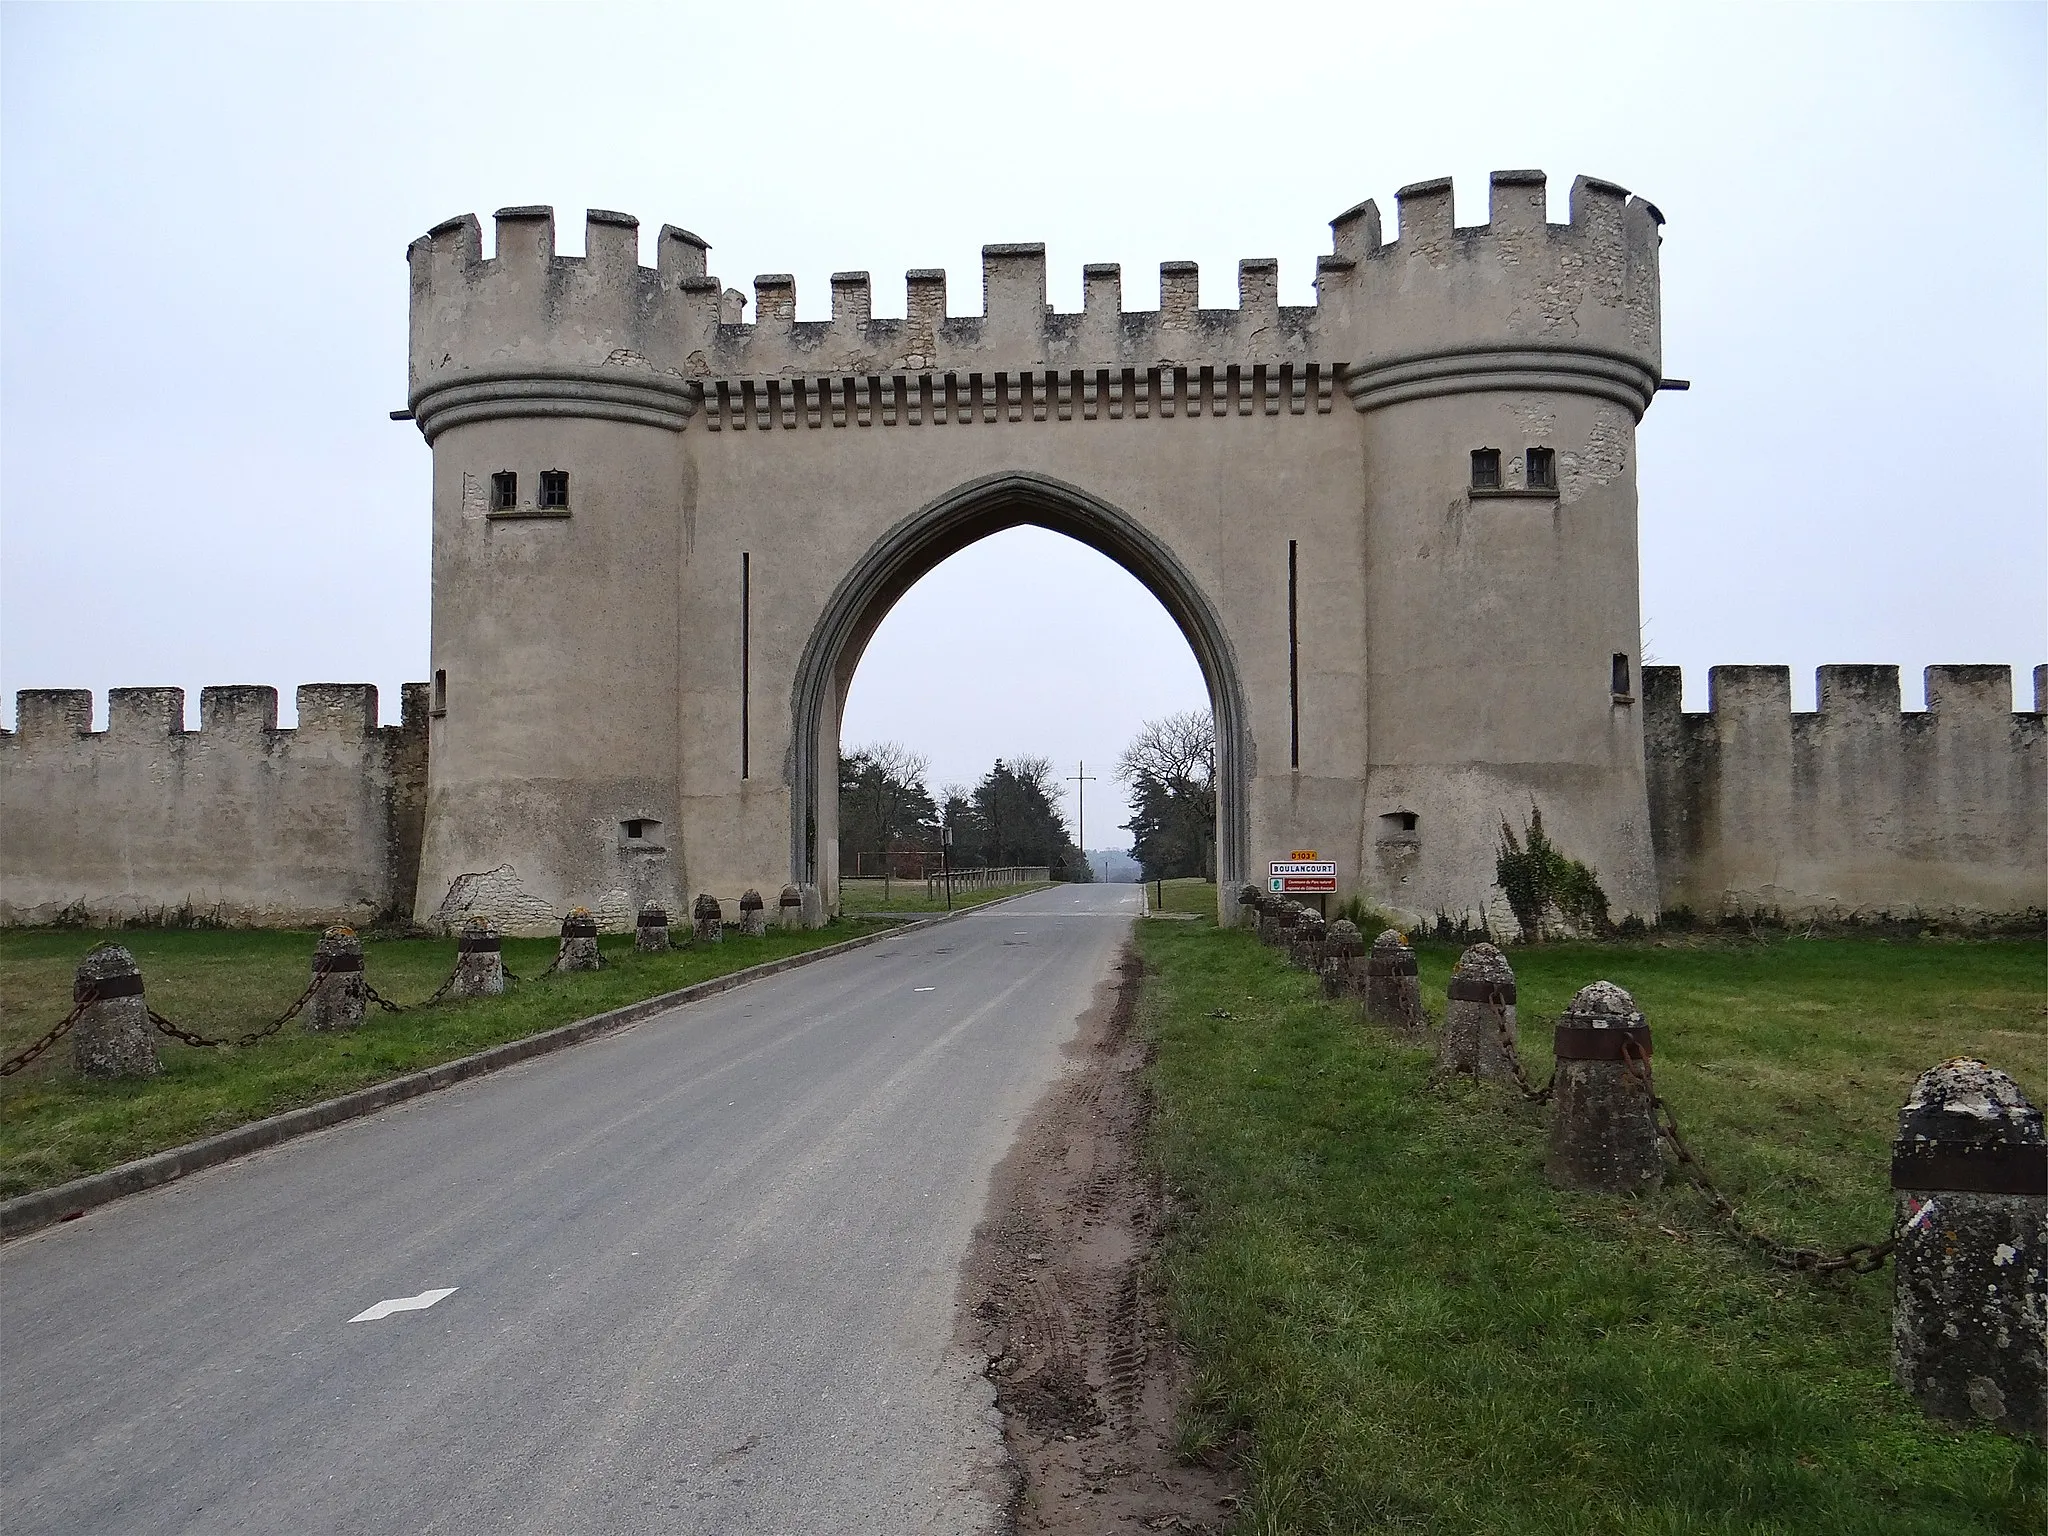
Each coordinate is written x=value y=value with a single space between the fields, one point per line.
x=237 y=821
x=1856 y=810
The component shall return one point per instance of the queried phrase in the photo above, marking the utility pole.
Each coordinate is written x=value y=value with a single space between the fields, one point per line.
x=1081 y=779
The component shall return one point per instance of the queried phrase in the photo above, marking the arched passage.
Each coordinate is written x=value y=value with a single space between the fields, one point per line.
x=943 y=528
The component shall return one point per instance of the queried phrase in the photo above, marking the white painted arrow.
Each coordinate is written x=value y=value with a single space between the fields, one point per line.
x=418 y=1303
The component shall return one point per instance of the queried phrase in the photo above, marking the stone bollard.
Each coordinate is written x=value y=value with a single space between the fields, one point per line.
x=650 y=930
x=1603 y=1127
x=709 y=927
x=1970 y=1274
x=339 y=988
x=113 y=1037
x=1285 y=916
x=1248 y=907
x=1310 y=933
x=1343 y=956
x=479 y=961
x=578 y=951
x=789 y=907
x=1480 y=1009
x=753 y=920
x=1393 y=991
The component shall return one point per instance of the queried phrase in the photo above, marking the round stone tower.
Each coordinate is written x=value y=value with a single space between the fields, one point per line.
x=1500 y=372
x=551 y=391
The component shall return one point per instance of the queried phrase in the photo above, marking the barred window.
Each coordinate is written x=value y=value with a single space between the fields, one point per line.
x=1485 y=469
x=554 y=488
x=504 y=491
x=1542 y=469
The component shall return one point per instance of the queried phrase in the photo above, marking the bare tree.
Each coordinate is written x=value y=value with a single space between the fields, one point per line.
x=1178 y=751
x=892 y=777
x=1171 y=768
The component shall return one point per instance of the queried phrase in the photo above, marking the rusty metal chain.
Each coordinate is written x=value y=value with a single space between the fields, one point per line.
x=56 y=1032
x=1527 y=1089
x=165 y=1027
x=389 y=1006
x=1857 y=1258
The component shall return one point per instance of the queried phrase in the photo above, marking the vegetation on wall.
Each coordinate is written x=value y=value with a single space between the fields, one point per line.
x=1547 y=890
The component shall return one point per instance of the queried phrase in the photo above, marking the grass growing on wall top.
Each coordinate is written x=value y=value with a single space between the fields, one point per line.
x=56 y=1126
x=1412 y=1331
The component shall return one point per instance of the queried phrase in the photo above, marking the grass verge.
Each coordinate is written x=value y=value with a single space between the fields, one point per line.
x=56 y=1126
x=863 y=898
x=1194 y=896
x=1415 y=1333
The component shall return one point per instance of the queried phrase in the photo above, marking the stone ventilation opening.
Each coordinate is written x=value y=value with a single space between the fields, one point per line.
x=1485 y=469
x=439 y=705
x=504 y=491
x=638 y=829
x=554 y=488
x=1395 y=823
x=1619 y=681
x=1542 y=469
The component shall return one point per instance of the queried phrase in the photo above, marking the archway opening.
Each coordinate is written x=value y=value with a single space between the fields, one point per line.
x=933 y=536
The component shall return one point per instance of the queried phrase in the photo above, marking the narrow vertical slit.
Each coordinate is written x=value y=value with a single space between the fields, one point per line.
x=746 y=646
x=1293 y=657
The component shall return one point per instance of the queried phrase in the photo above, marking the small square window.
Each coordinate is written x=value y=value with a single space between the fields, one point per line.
x=639 y=831
x=1485 y=469
x=554 y=488
x=504 y=491
x=1542 y=469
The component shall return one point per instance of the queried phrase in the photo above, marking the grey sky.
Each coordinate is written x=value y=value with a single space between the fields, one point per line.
x=203 y=216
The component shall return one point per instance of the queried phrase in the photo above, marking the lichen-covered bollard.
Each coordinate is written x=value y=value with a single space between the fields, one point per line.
x=1285 y=916
x=1248 y=907
x=753 y=920
x=789 y=907
x=1393 y=991
x=1343 y=955
x=1310 y=933
x=1603 y=1127
x=479 y=961
x=1970 y=1274
x=650 y=930
x=339 y=988
x=113 y=1037
x=578 y=950
x=708 y=926
x=1480 y=1009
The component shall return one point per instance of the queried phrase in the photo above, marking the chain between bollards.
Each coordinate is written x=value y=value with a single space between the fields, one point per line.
x=1527 y=1089
x=57 y=1031
x=1857 y=1258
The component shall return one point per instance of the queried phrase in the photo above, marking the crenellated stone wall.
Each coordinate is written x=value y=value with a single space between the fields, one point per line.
x=237 y=822
x=1856 y=810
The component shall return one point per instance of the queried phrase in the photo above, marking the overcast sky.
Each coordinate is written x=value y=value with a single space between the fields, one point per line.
x=204 y=214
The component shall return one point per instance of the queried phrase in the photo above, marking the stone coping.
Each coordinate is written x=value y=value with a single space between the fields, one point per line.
x=44 y=1207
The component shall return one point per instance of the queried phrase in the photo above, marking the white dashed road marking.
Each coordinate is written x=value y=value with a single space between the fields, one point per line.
x=418 y=1303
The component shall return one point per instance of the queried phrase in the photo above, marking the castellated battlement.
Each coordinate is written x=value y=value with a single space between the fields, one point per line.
x=238 y=821
x=1517 y=303
x=1857 y=808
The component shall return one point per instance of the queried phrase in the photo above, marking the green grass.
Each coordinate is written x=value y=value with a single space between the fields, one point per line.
x=862 y=898
x=1193 y=895
x=1414 y=1333
x=55 y=1126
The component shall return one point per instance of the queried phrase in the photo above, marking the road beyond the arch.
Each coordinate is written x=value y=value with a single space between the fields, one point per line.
x=698 y=1276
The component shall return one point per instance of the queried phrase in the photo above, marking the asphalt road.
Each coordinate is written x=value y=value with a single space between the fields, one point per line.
x=703 y=1277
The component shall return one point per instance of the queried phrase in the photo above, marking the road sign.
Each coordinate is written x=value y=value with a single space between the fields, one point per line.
x=1302 y=875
